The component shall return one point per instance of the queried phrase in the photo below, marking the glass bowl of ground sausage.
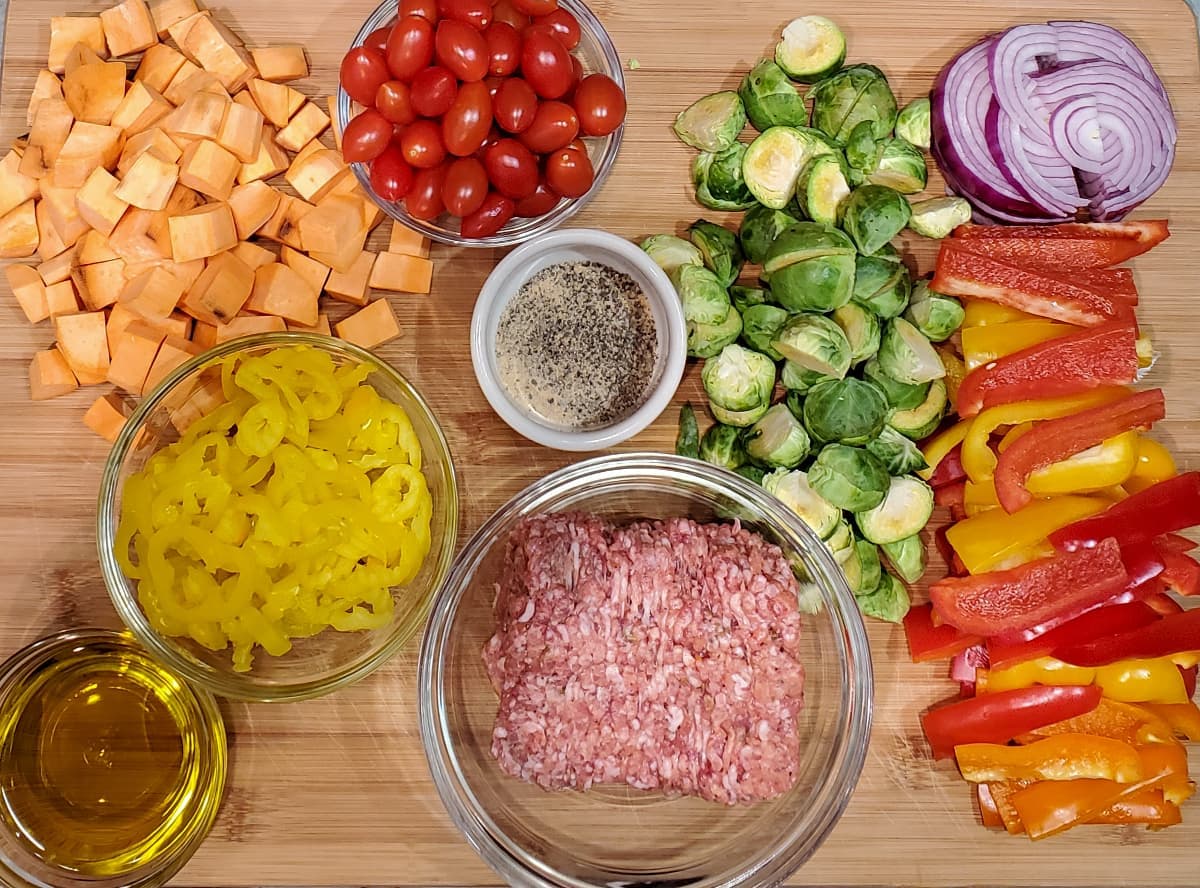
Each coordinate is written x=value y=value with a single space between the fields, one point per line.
x=645 y=670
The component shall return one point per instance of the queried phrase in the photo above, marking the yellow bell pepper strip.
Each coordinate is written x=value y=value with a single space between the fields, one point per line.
x=1134 y=724
x=1129 y=681
x=1154 y=464
x=1061 y=757
x=987 y=343
x=1043 y=671
x=989 y=539
x=1012 y=435
x=940 y=445
x=1183 y=718
x=956 y=370
x=1097 y=468
x=1169 y=761
x=982 y=313
x=1049 y=807
x=978 y=459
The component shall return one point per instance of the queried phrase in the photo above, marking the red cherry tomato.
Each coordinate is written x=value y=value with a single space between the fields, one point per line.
x=391 y=176
x=545 y=63
x=576 y=77
x=504 y=49
x=491 y=216
x=569 y=173
x=363 y=69
x=564 y=25
x=433 y=91
x=410 y=47
x=465 y=187
x=535 y=7
x=504 y=11
x=577 y=144
x=466 y=124
x=493 y=85
x=366 y=136
x=542 y=201
x=462 y=49
x=394 y=101
x=511 y=168
x=600 y=104
x=427 y=9
x=554 y=125
x=515 y=105
x=424 y=201
x=422 y=145
x=494 y=135
x=378 y=38
x=476 y=13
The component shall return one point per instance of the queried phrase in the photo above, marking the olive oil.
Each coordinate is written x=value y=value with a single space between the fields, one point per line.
x=108 y=763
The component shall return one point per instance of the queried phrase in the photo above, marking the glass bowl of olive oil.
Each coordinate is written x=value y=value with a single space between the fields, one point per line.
x=111 y=768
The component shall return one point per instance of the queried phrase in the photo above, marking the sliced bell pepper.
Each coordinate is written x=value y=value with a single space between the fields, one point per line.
x=1154 y=464
x=1061 y=757
x=1145 y=233
x=1130 y=723
x=988 y=539
x=979 y=498
x=1049 y=807
x=1103 y=621
x=950 y=496
x=1147 y=807
x=965 y=665
x=929 y=642
x=1162 y=603
x=988 y=812
x=1042 y=671
x=954 y=564
x=1068 y=247
x=1172 y=634
x=944 y=448
x=956 y=370
x=1096 y=469
x=1116 y=282
x=1012 y=435
x=1083 y=360
x=1055 y=440
x=1184 y=718
x=1156 y=680
x=983 y=344
x=1169 y=761
x=1174 y=542
x=1002 y=792
x=1170 y=505
x=1181 y=572
x=1189 y=681
x=982 y=313
x=998 y=718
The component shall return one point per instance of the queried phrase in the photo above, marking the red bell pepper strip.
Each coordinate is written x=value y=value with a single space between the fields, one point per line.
x=1170 y=505
x=1045 y=591
x=950 y=496
x=1162 y=603
x=1173 y=542
x=1008 y=650
x=1068 y=365
x=1057 y=254
x=1180 y=572
x=1117 y=282
x=998 y=718
x=1147 y=233
x=950 y=470
x=1056 y=439
x=929 y=642
x=1189 y=680
x=953 y=563
x=1171 y=635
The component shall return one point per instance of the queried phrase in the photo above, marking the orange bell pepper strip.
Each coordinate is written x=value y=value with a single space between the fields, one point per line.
x=1049 y=807
x=1170 y=762
x=1002 y=792
x=1062 y=757
x=1148 y=807
x=1127 y=722
x=988 y=811
x=1184 y=718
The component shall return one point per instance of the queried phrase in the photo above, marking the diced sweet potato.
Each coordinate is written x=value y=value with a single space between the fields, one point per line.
x=61 y=299
x=178 y=32
x=199 y=116
x=142 y=107
x=152 y=294
x=19 y=235
x=51 y=125
x=370 y=327
x=250 y=325
x=217 y=50
x=100 y=283
x=131 y=242
x=307 y=123
x=278 y=290
x=280 y=64
x=133 y=356
x=158 y=67
x=49 y=242
x=149 y=182
x=202 y=232
x=83 y=342
x=408 y=242
x=273 y=100
x=94 y=91
x=47 y=86
x=284 y=224
x=106 y=417
x=29 y=290
x=80 y=54
x=61 y=205
x=220 y=291
x=371 y=213
x=335 y=128
x=209 y=169
x=204 y=335
x=58 y=269
x=66 y=31
x=119 y=319
x=311 y=148
x=33 y=163
x=352 y=286
x=333 y=222
x=271 y=160
x=167 y=12
x=314 y=273
x=15 y=188
x=253 y=255
x=50 y=376
x=128 y=28
x=241 y=132
x=189 y=79
x=175 y=324
x=315 y=174
x=321 y=327
x=88 y=145
x=93 y=247
x=403 y=274
x=154 y=141
x=99 y=205
x=172 y=354
x=252 y=205
x=202 y=400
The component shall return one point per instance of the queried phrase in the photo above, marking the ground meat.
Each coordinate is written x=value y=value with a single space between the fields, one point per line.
x=664 y=655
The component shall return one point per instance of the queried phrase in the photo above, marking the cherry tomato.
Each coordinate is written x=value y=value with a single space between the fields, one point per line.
x=394 y=101
x=504 y=11
x=422 y=145
x=363 y=69
x=493 y=85
x=577 y=144
x=554 y=125
x=462 y=49
x=391 y=176
x=600 y=104
x=476 y=13
x=515 y=105
x=410 y=48
x=569 y=173
x=433 y=91
x=466 y=124
x=465 y=187
x=378 y=38
x=535 y=7
x=542 y=201
x=491 y=216
x=545 y=63
x=494 y=135
x=366 y=136
x=576 y=77
x=504 y=49
x=564 y=25
x=511 y=168
x=424 y=201
x=427 y=9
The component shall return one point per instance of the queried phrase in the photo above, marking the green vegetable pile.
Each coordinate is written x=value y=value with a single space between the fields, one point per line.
x=834 y=317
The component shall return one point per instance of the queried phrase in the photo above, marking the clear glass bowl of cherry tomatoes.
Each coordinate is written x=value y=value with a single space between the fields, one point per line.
x=481 y=123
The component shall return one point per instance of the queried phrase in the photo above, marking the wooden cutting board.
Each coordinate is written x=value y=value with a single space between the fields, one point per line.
x=335 y=791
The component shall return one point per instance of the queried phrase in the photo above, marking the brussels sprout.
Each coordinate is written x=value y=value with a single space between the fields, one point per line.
x=739 y=379
x=760 y=226
x=770 y=99
x=862 y=151
x=670 y=252
x=861 y=328
x=740 y=418
x=906 y=355
x=718 y=179
x=848 y=411
x=704 y=298
x=719 y=247
x=778 y=439
x=881 y=284
x=937 y=217
x=912 y=123
x=871 y=571
x=921 y=421
x=896 y=453
x=900 y=395
x=906 y=558
x=823 y=188
x=753 y=474
x=805 y=240
x=798 y=380
x=850 y=96
x=873 y=215
x=706 y=340
x=760 y=325
x=888 y=601
x=747 y=297
x=822 y=283
x=840 y=541
x=712 y=123
x=793 y=489
x=936 y=315
x=775 y=159
x=901 y=166
x=849 y=477
x=687 y=441
x=815 y=343
x=722 y=446
x=811 y=47
x=905 y=509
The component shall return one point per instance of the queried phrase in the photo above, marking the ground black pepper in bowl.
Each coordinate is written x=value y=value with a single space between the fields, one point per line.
x=577 y=345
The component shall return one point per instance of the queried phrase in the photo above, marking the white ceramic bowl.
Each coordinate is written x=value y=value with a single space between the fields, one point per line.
x=589 y=245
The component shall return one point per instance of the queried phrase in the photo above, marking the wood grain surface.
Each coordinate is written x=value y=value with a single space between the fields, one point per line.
x=336 y=791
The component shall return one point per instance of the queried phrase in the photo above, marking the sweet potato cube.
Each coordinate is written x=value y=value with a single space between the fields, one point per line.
x=175 y=324
x=119 y=319
x=198 y=403
x=321 y=327
x=370 y=327
x=217 y=50
x=252 y=204
x=220 y=291
x=199 y=116
x=403 y=274
x=61 y=299
x=314 y=273
x=47 y=86
x=284 y=224
x=83 y=341
x=130 y=239
x=52 y=124
x=172 y=354
x=308 y=123
x=128 y=28
x=209 y=169
x=334 y=221
x=371 y=213
x=149 y=182
x=89 y=145
x=202 y=232
x=271 y=160
x=204 y=335
x=66 y=31
x=241 y=132
x=185 y=82
x=19 y=236
x=311 y=148
x=58 y=269
x=152 y=294
x=98 y=203
x=92 y=247
x=334 y=126
x=352 y=286
x=49 y=242
x=160 y=63
x=142 y=107
x=152 y=140
x=407 y=242
x=273 y=100
x=278 y=290
x=100 y=284
x=33 y=163
x=167 y=12
x=94 y=91
x=81 y=54
x=15 y=188
x=106 y=417
x=250 y=325
x=50 y=376
x=252 y=254
x=280 y=64
x=315 y=174
x=178 y=32
x=134 y=355
x=29 y=290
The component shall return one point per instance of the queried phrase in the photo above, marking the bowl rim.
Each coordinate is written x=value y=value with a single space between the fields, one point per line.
x=242 y=686
x=591 y=25
x=674 y=362
x=831 y=796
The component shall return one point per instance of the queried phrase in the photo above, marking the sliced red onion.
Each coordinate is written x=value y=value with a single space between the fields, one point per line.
x=1035 y=167
x=1077 y=133
x=1083 y=41
x=1012 y=58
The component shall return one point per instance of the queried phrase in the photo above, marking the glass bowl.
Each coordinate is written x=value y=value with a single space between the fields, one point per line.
x=330 y=659
x=612 y=834
x=597 y=55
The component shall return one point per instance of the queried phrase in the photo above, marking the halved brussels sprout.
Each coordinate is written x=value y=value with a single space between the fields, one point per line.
x=760 y=226
x=846 y=411
x=921 y=421
x=706 y=340
x=811 y=47
x=913 y=123
x=862 y=151
x=822 y=283
x=840 y=542
x=760 y=325
x=874 y=214
x=906 y=355
x=740 y=418
x=900 y=395
x=739 y=379
x=770 y=99
x=882 y=283
x=861 y=328
x=778 y=440
x=720 y=249
x=852 y=95
x=669 y=252
x=701 y=293
x=888 y=601
x=849 y=477
x=713 y=122
x=905 y=509
x=805 y=240
x=936 y=315
x=871 y=571
x=687 y=441
x=816 y=343
x=901 y=166
x=718 y=179
x=906 y=558
x=792 y=488
x=722 y=446
x=937 y=217
x=775 y=159
x=746 y=297
x=823 y=188
x=897 y=454
x=798 y=380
